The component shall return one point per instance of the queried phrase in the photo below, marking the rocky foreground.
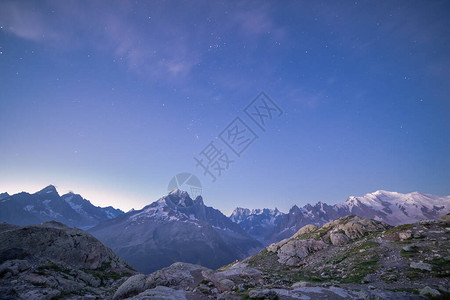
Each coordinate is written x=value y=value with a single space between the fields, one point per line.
x=349 y=258
x=53 y=261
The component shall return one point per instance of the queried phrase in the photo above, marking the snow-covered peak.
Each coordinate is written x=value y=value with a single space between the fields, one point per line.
x=239 y=214
x=398 y=208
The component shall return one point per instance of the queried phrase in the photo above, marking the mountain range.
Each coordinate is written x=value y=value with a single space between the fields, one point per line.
x=270 y=226
x=178 y=228
x=47 y=205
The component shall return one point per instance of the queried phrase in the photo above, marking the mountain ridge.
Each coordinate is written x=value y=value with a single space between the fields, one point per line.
x=391 y=207
x=47 y=205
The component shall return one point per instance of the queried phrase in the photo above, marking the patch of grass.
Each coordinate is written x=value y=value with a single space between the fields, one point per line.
x=440 y=261
x=367 y=245
x=265 y=260
x=399 y=228
x=309 y=278
x=407 y=254
x=441 y=267
x=412 y=274
x=316 y=234
x=340 y=259
x=360 y=270
x=370 y=262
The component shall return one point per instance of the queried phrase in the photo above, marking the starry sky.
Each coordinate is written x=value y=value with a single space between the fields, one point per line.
x=111 y=99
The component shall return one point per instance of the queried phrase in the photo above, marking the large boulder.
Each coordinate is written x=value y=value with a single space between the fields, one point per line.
x=178 y=275
x=339 y=239
x=355 y=227
x=293 y=251
x=305 y=229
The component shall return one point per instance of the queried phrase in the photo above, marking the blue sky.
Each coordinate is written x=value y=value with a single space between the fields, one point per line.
x=111 y=99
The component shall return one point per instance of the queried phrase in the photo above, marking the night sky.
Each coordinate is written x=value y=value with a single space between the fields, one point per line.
x=111 y=99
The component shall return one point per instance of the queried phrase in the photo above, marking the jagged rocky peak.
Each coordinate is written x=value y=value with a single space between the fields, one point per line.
x=48 y=190
x=3 y=195
x=239 y=214
x=181 y=198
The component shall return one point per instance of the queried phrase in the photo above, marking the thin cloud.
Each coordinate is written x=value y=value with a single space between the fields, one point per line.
x=157 y=43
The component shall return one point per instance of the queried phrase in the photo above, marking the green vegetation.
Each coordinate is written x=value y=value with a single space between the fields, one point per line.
x=316 y=234
x=441 y=267
x=408 y=254
x=42 y=270
x=412 y=274
x=340 y=259
x=366 y=245
x=399 y=228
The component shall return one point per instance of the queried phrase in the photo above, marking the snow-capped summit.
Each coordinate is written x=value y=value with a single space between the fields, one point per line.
x=396 y=208
x=239 y=214
x=176 y=228
x=258 y=223
x=47 y=205
x=390 y=207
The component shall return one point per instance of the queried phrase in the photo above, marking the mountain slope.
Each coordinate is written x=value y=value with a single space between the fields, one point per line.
x=48 y=205
x=175 y=228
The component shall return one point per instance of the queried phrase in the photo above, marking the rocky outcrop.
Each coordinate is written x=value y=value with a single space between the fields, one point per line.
x=339 y=239
x=191 y=281
x=58 y=243
x=53 y=260
x=311 y=238
x=355 y=227
x=292 y=252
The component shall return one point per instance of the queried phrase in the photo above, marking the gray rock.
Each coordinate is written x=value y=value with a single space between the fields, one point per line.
x=293 y=251
x=427 y=291
x=161 y=293
x=263 y=294
x=226 y=285
x=408 y=248
x=404 y=235
x=300 y=284
x=421 y=266
x=339 y=239
x=180 y=275
x=132 y=286
x=305 y=229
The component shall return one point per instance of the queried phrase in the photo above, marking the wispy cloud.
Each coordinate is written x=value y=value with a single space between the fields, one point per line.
x=156 y=40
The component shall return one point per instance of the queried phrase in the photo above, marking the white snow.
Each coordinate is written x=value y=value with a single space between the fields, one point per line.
x=76 y=207
x=28 y=207
x=405 y=208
